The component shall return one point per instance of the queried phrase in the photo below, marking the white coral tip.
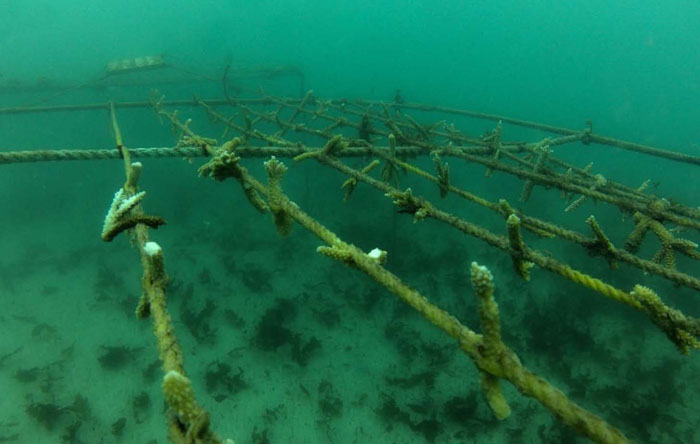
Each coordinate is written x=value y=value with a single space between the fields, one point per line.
x=152 y=249
x=377 y=255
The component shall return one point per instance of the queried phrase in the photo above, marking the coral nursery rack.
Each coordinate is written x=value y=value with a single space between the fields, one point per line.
x=391 y=139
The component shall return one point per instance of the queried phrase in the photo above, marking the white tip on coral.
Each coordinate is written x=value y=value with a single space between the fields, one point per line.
x=378 y=255
x=152 y=248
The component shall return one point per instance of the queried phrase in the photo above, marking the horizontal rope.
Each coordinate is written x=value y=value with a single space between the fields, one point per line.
x=155 y=152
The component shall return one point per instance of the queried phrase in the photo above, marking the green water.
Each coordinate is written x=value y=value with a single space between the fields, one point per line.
x=282 y=344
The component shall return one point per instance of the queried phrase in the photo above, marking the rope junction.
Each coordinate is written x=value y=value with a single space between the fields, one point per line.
x=385 y=133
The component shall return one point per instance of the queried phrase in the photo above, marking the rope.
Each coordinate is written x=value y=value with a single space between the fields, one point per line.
x=185 y=151
x=95 y=154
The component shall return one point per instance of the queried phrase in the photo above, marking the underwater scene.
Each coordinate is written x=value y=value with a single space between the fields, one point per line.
x=349 y=222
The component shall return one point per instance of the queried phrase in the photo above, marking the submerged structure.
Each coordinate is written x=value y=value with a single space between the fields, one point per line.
x=377 y=147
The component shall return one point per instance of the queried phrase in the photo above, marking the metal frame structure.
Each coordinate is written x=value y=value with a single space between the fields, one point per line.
x=389 y=136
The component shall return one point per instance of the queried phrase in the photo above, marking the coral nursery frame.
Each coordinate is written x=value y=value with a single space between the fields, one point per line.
x=388 y=136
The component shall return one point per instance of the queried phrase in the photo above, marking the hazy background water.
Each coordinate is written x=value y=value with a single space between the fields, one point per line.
x=631 y=66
